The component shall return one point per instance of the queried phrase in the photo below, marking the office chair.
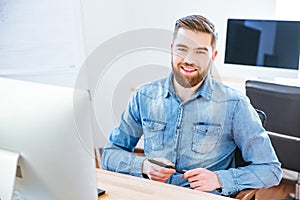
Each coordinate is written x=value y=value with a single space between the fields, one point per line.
x=281 y=104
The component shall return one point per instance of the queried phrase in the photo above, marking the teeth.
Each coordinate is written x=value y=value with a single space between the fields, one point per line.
x=189 y=70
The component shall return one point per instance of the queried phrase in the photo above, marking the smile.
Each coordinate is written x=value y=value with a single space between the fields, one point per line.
x=188 y=70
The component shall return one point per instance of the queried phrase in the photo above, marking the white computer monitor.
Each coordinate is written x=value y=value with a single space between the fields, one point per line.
x=53 y=137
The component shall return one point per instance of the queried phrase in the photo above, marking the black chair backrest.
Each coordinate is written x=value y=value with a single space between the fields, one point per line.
x=281 y=104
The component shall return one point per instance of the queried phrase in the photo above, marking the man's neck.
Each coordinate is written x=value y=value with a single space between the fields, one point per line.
x=185 y=93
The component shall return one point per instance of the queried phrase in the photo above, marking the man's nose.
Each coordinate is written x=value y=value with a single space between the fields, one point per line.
x=188 y=58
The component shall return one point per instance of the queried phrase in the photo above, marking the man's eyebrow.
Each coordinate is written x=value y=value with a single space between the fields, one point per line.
x=181 y=45
x=202 y=48
x=199 y=48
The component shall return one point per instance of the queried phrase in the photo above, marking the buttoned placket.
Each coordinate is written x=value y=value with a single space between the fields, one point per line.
x=178 y=129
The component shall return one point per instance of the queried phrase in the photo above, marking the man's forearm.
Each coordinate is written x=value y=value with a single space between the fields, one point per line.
x=252 y=176
x=122 y=161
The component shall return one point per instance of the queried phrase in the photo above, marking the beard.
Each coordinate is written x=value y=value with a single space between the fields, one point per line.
x=189 y=81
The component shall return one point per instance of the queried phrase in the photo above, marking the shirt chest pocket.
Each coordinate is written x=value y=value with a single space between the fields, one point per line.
x=205 y=137
x=153 y=135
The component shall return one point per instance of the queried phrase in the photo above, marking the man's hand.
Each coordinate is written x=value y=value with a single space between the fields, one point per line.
x=156 y=172
x=202 y=179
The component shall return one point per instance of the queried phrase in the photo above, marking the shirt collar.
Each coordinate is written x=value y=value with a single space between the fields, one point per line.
x=205 y=89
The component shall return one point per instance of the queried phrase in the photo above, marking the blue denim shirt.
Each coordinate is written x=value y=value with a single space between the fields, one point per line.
x=203 y=131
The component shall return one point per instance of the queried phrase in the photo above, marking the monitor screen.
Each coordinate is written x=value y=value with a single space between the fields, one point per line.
x=37 y=121
x=266 y=43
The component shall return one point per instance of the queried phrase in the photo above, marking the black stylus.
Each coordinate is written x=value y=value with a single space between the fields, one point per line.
x=165 y=165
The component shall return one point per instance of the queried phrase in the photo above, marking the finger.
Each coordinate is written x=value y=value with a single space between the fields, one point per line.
x=193 y=172
x=162 y=172
x=194 y=178
x=200 y=188
x=158 y=174
x=159 y=177
x=167 y=170
x=199 y=185
x=203 y=188
x=201 y=176
x=196 y=184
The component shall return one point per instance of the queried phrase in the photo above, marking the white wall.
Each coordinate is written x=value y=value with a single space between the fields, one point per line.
x=105 y=19
x=287 y=9
x=41 y=41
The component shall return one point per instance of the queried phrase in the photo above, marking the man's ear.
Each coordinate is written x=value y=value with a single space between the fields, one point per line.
x=214 y=54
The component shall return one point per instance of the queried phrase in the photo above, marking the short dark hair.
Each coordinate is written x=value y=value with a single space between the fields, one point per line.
x=197 y=23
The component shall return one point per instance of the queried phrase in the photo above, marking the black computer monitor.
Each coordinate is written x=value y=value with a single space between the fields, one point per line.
x=263 y=44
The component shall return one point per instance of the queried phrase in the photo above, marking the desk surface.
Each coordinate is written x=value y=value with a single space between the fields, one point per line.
x=120 y=186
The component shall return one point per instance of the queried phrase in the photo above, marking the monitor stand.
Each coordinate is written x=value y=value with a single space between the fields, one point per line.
x=8 y=172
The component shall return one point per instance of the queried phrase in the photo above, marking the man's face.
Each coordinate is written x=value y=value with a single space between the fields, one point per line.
x=192 y=56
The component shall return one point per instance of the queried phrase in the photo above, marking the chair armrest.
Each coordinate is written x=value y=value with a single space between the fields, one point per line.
x=248 y=194
x=283 y=136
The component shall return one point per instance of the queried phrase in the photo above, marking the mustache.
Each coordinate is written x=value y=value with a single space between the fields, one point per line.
x=188 y=65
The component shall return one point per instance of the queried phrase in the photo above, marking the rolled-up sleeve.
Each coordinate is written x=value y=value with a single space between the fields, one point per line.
x=117 y=154
x=264 y=169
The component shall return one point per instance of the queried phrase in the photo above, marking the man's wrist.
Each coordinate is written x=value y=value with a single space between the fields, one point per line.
x=144 y=170
x=219 y=186
x=145 y=166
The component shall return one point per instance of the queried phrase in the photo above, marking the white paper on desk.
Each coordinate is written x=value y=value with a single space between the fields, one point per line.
x=8 y=169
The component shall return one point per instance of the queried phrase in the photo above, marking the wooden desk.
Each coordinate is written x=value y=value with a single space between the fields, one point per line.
x=120 y=186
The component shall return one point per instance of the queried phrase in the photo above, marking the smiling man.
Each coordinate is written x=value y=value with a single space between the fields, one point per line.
x=192 y=55
x=193 y=124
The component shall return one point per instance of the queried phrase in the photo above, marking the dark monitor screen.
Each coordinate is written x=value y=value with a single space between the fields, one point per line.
x=267 y=43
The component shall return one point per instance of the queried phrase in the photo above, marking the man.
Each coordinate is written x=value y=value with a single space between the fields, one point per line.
x=194 y=123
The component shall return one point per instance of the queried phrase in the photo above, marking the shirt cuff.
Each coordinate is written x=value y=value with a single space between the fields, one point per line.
x=228 y=184
x=136 y=166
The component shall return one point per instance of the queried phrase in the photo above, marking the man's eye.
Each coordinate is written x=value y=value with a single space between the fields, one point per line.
x=181 y=49
x=200 y=52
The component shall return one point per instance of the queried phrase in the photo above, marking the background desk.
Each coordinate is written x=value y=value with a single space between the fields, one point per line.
x=120 y=186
